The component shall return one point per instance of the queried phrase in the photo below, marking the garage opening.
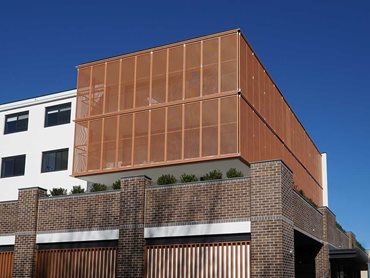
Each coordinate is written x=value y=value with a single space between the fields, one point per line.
x=216 y=259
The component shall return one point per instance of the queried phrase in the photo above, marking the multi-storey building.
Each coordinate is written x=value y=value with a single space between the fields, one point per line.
x=36 y=139
x=188 y=107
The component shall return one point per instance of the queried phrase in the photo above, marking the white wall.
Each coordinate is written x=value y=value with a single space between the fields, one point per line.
x=36 y=140
x=324 y=171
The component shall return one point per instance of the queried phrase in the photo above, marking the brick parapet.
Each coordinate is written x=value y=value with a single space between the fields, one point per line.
x=201 y=201
x=306 y=217
x=8 y=217
x=80 y=211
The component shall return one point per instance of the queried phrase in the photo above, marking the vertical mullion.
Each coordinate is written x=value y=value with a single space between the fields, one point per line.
x=117 y=140
x=238 y=127
x=183 y=72
x=119 y=109
x=105 y=85
x=165 y=133
x=201 y=68
x=102 y=143
x=219 y=64
x=103 y=120
x=219 y=126
x=119 y=85
x=90 y=92
x=183 y=132
x=238 y=61
x=87 y=145
x=133 y=138
x=149 y=134
x=150 y=78
x=200 y=128
x=167 y=72
x=135 y=73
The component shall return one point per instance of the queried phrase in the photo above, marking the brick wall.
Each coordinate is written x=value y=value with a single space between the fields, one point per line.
x=8 y=216
x=131 y=244
x=266 y=198
x=82 y=211
x=202 y=201
x=272 y=248
x=25 y=237
x=306 y=217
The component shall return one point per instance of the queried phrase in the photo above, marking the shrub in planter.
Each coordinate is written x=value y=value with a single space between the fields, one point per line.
x=96 y=187
x=166 y=179
x=116 y=185
x=58 y=191
x=77 y=190
x=212 y=175
x=233 y=173
x=188 y=178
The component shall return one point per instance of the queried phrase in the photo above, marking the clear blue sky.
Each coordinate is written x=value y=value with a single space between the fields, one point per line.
x=316 y=51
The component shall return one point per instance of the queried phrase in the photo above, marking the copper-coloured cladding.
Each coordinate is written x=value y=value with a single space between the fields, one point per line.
x=191 y=131
x=260 y=143
x=264 y=97
x=207 y=66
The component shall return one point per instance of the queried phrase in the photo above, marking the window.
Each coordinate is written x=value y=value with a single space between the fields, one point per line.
x=13 y=166
x=56 y=160
x=58 y=114
x=16 y=122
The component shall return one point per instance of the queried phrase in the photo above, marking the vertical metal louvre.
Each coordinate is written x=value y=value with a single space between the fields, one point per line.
x=6 y=264
x=218 y=259
x=77 y=262
x=159 y=97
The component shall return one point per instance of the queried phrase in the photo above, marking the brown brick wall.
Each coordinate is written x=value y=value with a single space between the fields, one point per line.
x=306 y=217
x=83 y=211
x=25 y=238
x=322 y=263
x=202 y=201
x=130 y=256
x=266 y=198
x=8 y=217
x=332 y=234
x=272 y=248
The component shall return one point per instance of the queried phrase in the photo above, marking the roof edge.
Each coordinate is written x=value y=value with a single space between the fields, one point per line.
x=158 y=47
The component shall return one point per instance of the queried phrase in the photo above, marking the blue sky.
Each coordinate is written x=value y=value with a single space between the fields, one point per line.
x=316 y=51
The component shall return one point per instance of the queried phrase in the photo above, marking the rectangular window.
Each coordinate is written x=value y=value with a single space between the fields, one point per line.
x=58 y=114
x=16 y=122
x=56 y=160
x=13 y=166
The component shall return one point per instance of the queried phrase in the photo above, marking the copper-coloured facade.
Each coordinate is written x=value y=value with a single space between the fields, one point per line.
x=202 y=99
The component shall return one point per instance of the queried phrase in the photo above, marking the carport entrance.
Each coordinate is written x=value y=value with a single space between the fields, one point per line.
x=305 y=250
x=216 y=259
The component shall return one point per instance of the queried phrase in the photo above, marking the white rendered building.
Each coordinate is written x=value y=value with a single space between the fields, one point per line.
x=36 y=143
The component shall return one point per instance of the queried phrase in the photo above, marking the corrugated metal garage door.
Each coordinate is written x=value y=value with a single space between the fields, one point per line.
x=77 y=262
x=6 y=264
x=217 y=259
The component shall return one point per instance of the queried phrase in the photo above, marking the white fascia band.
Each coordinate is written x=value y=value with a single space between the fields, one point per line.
x=325 y=193
x=7 y=240
x=198 y=229
x=77 y=236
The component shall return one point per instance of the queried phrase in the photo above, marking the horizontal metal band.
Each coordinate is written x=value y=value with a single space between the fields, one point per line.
x=198 y=229
x=77 y=236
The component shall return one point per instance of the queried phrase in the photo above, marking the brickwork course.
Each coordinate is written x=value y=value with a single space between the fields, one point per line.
x=266 y=198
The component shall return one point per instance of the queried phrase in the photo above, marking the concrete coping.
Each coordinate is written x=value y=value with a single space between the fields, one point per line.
x=135 y=177
x=32 y=188
x=85 y=194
